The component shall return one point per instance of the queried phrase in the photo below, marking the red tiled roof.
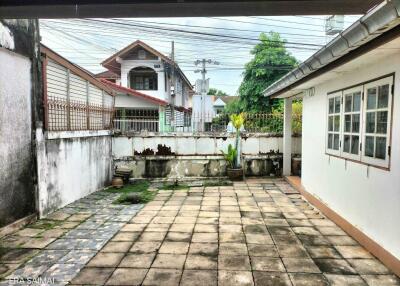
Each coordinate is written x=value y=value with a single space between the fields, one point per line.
x=135 y=93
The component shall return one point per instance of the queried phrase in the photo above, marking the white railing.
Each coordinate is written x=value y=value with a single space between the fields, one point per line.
x=136 y=125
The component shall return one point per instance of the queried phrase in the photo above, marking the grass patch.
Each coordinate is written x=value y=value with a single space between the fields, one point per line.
x=173 y=187
x=217 y=183
x=140 y=188
x=45 y=224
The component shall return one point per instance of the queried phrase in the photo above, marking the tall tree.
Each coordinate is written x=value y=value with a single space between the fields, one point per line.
x=271 y=61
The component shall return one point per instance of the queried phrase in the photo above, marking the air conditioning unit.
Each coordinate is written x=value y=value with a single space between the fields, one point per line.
x=334 y=24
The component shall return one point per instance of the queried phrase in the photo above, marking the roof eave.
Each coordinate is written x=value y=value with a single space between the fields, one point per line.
x=376 y=23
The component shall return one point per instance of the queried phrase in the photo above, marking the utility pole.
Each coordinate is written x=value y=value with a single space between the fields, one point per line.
x=203 y=71
x=172 y=88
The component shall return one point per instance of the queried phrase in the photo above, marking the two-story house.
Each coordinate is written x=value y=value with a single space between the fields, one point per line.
x=146 y=97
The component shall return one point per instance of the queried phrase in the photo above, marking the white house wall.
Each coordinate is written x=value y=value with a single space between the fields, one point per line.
x=128 y=65
x=367 y=197
x=130 y=101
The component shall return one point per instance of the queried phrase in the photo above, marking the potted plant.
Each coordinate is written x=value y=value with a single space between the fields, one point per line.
x=234 y=169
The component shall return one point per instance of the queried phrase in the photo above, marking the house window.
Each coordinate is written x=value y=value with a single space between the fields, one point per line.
x=334 y=119
x=377 y=106
x=143 y=78
x=352 y=122
x=359 y=121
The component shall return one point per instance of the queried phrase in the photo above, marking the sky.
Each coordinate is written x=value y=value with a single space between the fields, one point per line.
x=227 y=40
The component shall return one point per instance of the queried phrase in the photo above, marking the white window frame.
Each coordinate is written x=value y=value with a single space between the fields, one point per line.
x=363 y=88
x=346 y=92
x=371 y=160
x=339 y=132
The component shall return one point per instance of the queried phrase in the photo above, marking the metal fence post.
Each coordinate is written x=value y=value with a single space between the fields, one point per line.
x=68 y=101
x=87 y=106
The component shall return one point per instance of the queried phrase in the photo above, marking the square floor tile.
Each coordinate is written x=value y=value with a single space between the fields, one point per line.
x=237 y=278
x=171 y=261
x=267 y=264
x=92 y=276
x=173 y=247
x=117 y=246
x=199 y=278
x=233 y=248
x=134 y=260
x=105 y=259
x=353 y=252
x=233 y=262
x=368 y=266
x=145 y=247
x=127 y=276
x=194 y=261
x=271 y=279
x=334 y=266
x=307 y=279
x=165 y=277
x=348 y=280
x=305 y=265
x=210 y=249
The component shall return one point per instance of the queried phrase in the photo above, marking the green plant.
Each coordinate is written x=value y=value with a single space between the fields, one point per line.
x=237 y=122
x=230 y=156
x=140 y=187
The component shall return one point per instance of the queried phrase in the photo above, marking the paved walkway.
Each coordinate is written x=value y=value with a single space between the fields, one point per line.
x=256 y=233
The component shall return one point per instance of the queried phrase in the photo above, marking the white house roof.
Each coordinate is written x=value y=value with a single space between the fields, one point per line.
x=219 y=102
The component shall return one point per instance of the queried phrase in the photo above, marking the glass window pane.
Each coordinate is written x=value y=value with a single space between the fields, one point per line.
x=370 y=122
x=330 y=123
x=380 y=151
x=356 y=101
x=381 y=122
x=336 y=141
x=347 y=123
x=355 y=126
x=355 y=143
x=371 y=98
x=337 y=104
x=331 y=105
x=347 y=103
x=369 y=146
x=330 y=139
x=346 y=143
x=383 y=97
x=337 y=123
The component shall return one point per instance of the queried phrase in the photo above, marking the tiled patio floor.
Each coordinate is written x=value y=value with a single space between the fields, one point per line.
x=256 y=233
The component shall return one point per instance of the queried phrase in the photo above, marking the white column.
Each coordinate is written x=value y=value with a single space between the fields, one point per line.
x=287 y=137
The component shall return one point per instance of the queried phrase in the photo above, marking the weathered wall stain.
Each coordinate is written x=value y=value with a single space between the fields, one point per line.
x=19 y=91
x=162 y=150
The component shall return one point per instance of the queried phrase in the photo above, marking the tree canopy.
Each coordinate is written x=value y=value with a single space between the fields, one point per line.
x=217 y=92
x=271 y=61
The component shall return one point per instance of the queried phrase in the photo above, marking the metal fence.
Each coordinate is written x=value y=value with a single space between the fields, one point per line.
x=253 y=123
x=136 y=120
x=63 y=115
x=206 y=122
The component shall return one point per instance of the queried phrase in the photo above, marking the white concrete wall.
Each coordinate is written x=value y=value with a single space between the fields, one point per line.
x=71 y=165
x=367 y=197
x=200 y=144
